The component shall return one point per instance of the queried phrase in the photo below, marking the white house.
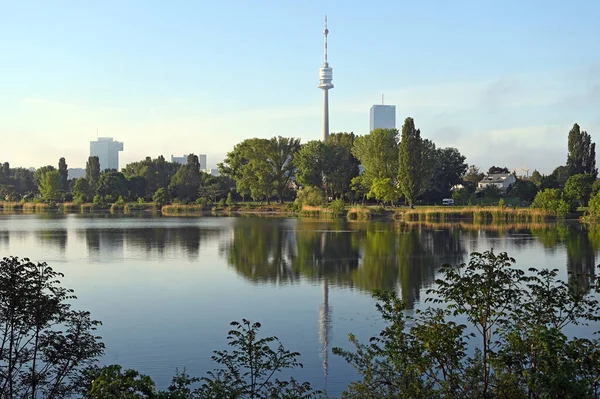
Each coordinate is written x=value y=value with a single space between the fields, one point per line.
x=501 y=180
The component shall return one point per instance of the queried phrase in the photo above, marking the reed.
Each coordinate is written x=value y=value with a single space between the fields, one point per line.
x=70 y=207
x=181 y=209
x=114 y=208
x=87 y=207
x=139 y=207
x=474 y=213
x=12 y=206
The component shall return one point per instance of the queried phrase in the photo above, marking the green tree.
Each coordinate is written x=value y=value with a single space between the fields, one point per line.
x=525 y=190
x=137 y=187
x=312 y=163
x=112 y=185
x=494 y=170
x=160 y=197
x=343 y=165
x=416 y=157
x=384 y=190
x=536 y=178
x=551 y=200
x=51 y=185
x=312 y=196
x=64 y=174
x=92 y=171
x=448 y=169
x=157 y=173
x=82 y=191
x=262 y=167
x=581 y=158
x=473 y=175
x=578 y=188
x=378 y=154
x=37 y=175
x=46 y=343
x=187 y=181
x=461 y=196
x=250 y=370
x=112 y=383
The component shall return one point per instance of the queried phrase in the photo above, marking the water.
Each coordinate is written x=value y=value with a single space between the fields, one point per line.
x=167 y=288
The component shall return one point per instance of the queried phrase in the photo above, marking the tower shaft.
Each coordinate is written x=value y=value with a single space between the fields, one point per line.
x=325 y=115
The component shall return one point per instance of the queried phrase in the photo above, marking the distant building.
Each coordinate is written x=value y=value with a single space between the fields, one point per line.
x=501 y=180
x=107 y=151
x=382 y=117
x=75 y=173
x=183 y=160
x=214 y=172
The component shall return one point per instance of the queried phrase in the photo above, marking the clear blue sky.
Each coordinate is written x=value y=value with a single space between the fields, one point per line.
x=503 y=81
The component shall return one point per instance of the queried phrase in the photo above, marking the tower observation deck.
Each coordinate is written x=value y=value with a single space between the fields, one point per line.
x=325 y=79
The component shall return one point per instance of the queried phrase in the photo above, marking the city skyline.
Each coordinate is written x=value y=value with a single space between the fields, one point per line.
x=501 y=82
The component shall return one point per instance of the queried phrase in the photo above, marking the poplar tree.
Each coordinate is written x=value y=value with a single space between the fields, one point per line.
x=410 y=174
x=582 y=153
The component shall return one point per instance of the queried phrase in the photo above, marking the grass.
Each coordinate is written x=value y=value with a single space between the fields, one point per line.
x=181 y=209
x=475 y=213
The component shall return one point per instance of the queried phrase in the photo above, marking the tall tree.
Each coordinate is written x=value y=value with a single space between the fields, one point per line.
x=92 y=171
x=157 y=172
x=582 y=153
x=186 y=182
x=112 y=185
x=413 y=167
x=343 y=166
x=378 y=154
x=473 y=175
x=51 y=185
x=37 y=175
x=280 y=156
x=311 y=163
x=64 y=174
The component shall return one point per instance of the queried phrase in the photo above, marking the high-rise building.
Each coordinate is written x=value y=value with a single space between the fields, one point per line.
x=325 y=78
x=382 y=117
x=107 y=151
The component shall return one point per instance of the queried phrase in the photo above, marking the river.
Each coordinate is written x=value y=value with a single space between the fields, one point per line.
x=166 y=288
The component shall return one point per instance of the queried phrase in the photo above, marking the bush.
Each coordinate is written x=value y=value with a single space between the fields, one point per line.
x=98 y=201
x=594 y=206
x=120 y=201
x=222 y=202
x=311 y=196
x=202 y=202
x=229 y=201
x=551 y=200
x=160 y=197
x=501 y=203
x=337 y=207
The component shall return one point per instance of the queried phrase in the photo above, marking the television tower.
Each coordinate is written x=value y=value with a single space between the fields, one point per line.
x=325 y=76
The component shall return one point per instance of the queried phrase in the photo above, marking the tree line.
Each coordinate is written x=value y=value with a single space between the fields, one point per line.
x=386 y=165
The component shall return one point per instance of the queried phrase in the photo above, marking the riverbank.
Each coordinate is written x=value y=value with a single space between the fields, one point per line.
x=476 y=214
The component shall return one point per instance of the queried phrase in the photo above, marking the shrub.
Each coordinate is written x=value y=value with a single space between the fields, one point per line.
x=337 y=207
x=222 y=202
x=551 y=200
x=120 y=201
x=311 y=196
x=160 y=197
x=202 y=202
x=98 y=201
x=229 y=201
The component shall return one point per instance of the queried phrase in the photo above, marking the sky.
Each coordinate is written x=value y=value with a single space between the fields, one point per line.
x=502 y=81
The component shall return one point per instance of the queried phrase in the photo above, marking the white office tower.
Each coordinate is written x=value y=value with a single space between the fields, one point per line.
x=382 y=117
x=107 y=151
x=325 y=76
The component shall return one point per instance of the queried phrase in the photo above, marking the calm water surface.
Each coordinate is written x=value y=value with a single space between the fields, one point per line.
x=167 y=288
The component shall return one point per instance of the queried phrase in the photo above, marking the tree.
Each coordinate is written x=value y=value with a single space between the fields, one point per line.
x=187 y=181
x=82 y=191
x=416 y=157
x=37 y=175
x=112 y=185
x=384 y=190
x=473 y=175
x=111 y=383
x=524 y=189
x=137 y=187
x=46 y=343
x=448 y=169
x=552 y=201
x=92 y=171
x=536 y=178
x=262 y=167
x=519 y=320
x=157 y=172
x=378 y=154
x=581 y=158
x=64 y=174
x=494 y=170
x=51 y=185
x=343 y=165
x=160 y=197
x=248 y=371
x=311 y=163
x=579 y=188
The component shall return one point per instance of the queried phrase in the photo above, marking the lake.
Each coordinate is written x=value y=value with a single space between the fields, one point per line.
x=166 y=288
